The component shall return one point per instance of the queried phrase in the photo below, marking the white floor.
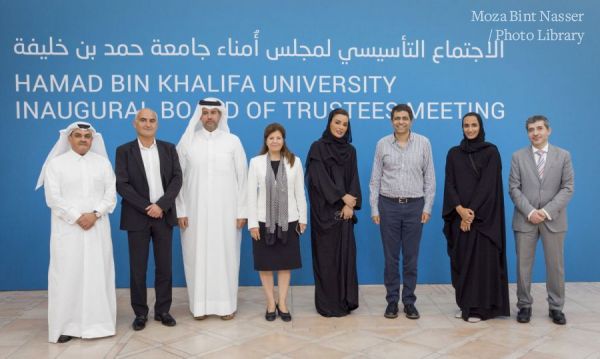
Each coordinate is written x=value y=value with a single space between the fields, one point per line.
x=363 y=334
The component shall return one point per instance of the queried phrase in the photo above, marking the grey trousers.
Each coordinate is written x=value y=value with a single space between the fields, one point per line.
x=553 y=244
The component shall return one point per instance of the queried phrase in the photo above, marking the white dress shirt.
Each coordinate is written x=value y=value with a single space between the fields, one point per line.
x=152 y=169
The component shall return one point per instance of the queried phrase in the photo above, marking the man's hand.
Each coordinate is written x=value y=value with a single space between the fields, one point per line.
x=376 y=219
x=240 y=222
x=154 y=211
x=87 y=221
x=543 y=214
x=537 y=217
x=349 y=200
x=254 y=233
x=183 y=222
x=425 y=217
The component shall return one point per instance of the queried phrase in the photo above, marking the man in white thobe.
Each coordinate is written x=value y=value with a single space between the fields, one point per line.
x=211 y=210
x=80 y=190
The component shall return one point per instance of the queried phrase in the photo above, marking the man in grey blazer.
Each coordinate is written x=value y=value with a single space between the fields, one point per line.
x=540 y=185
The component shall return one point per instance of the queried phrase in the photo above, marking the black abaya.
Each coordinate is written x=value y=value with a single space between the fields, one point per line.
x=331 y=173
x=477 y=257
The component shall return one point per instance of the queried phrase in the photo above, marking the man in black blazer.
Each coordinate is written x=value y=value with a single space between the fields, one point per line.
x=149 y=178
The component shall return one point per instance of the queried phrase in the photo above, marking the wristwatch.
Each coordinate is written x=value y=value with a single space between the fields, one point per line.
x=98 y=215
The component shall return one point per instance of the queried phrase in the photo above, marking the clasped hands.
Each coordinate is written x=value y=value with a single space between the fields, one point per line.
x=154 y=211
x=467 y=215
x=87 y=220
x=349 y=203
x=538 y=216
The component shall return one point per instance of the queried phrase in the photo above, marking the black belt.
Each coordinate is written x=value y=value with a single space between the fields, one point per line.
x=402 y=200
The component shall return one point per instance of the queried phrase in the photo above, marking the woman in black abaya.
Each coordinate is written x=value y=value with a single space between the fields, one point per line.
x=474 y=224
x=334 y=193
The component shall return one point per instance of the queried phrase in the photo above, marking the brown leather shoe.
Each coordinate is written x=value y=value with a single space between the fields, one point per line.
x=228 y=316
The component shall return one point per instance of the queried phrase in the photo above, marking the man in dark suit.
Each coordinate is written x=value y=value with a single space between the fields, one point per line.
x=149 y=178
x=540 y=185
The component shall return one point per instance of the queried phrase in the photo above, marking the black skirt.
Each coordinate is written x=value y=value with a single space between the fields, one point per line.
x=278 y=256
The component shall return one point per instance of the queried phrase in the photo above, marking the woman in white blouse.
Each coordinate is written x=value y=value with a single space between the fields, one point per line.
x=276 y=216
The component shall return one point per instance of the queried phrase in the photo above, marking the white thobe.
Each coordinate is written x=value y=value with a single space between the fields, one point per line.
x=213 y=196
x=81 y=276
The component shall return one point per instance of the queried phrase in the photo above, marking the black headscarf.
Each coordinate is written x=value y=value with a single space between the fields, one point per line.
x=327 y=135
x=478 y=143
x=339 y=149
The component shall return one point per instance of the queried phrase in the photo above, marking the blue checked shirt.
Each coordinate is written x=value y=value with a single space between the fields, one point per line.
x=403 y=172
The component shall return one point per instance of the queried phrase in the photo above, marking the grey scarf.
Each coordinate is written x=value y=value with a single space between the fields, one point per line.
x=277 y=202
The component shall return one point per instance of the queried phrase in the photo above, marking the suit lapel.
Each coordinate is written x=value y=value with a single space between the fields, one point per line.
x=137 y=155
x=162 y=158
x=551 y=159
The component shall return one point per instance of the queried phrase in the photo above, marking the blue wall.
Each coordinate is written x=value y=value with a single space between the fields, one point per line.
x=556 y=78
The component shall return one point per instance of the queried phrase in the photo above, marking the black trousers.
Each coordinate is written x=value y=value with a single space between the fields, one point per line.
x=161 y=235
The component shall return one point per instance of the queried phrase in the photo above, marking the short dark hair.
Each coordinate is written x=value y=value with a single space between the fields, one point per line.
x=402 y=107
x=536 y=118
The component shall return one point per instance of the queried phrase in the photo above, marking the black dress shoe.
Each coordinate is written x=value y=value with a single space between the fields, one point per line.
x=139 y=322
x=64 y=338
x=286 y=317
x=166 y=319
x=391 y=311
x=271 y=316
x=558 y=317
x=411 y=311
x=524 y=315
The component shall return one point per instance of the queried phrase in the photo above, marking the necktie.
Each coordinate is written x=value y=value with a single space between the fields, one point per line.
x=541 y=162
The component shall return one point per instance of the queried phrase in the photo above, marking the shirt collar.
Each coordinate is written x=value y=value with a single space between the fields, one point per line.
x=76 y=155
x=207 y=133
x=410 y=137
x=142 y=147
x=545 y=148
